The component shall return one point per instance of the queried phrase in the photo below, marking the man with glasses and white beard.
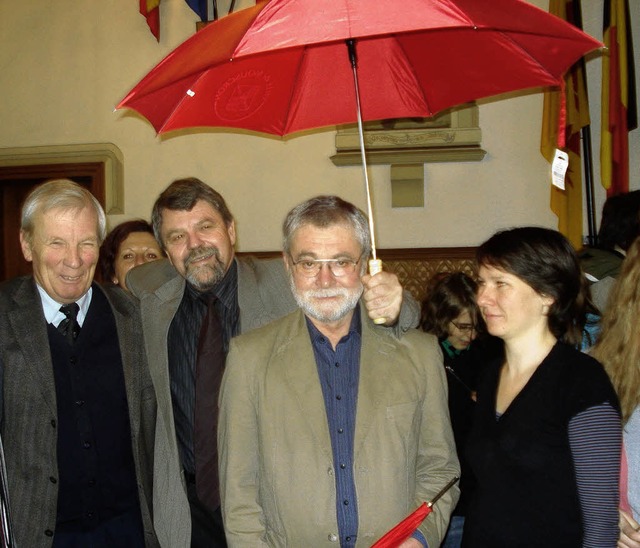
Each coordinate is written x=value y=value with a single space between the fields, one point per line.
x=331 y=428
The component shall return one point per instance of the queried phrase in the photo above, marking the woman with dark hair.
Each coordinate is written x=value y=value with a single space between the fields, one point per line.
x=545 y=443
x=129 y=244
x=450 y=312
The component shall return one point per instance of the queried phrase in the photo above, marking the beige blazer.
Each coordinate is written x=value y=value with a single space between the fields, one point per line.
x=263 y=296
x=276 y=465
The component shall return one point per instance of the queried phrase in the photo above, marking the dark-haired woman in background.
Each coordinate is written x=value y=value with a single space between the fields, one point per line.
x=129 y=244
x=450 y=312
x=545 y=444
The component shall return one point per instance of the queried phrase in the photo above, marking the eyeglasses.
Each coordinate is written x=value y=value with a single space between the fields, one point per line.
x=464 y=327
x=310 y=268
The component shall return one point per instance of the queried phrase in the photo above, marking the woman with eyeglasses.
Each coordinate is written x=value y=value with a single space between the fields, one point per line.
x=545 y=442
x=449 y=312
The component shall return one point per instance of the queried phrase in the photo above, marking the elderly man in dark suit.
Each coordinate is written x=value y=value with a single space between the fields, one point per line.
x=203 y=280
x=78 y=406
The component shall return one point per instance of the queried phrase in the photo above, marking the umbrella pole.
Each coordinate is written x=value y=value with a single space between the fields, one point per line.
x=375 y=264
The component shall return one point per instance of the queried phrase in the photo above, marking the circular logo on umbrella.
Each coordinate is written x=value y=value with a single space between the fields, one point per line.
x=242 y=95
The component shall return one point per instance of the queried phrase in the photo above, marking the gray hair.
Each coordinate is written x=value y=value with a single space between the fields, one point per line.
x=325 y=211
x=182 y=195
x=59 y=194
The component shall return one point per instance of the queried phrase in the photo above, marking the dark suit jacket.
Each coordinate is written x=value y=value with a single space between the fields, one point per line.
x=29 y=412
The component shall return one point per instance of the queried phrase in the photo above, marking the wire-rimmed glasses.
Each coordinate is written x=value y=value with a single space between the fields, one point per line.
x=464 y=327
x=310 y=268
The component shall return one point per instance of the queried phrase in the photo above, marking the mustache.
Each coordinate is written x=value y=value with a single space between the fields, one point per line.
x=327 y=292
x=202 y=252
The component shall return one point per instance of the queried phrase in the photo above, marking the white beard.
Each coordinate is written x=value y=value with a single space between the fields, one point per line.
x=329 y=312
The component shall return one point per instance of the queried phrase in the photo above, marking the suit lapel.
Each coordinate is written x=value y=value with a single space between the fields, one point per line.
x=298 y=362
x=30 y=327
x=376 y=365
x=129 y=337
x=158 y=309
x=297 y=359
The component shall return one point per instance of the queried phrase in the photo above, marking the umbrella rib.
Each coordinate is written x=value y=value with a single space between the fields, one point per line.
x=295 y=76
x=179 y=103
x=526 y=52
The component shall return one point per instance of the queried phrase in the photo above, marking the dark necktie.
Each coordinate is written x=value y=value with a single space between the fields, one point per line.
x=69 y=327
x=209 y=369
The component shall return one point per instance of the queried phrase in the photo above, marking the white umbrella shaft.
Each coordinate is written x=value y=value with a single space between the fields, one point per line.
x=352 y=56
x=375 y=265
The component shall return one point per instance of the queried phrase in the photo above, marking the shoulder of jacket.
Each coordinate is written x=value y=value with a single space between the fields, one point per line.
x=150 y=276
x=277 y=330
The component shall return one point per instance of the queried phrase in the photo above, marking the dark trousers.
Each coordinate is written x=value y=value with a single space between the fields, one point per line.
x=123 y=531
x=207 y=530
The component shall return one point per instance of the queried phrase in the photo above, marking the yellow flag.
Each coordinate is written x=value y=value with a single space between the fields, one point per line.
x=567 y=203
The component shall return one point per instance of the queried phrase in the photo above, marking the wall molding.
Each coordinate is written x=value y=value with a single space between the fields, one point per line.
x=107 y=154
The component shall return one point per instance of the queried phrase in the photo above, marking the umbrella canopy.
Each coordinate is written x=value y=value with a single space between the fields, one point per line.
x=282 y=66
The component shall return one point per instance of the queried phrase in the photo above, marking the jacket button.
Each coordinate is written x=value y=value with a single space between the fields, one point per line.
x=53 y=422
x=48 y=532
x=52 y=479
x=333 y=538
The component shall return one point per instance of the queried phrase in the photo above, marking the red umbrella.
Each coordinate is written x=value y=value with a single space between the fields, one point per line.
x=403 y=530
x=282 y=66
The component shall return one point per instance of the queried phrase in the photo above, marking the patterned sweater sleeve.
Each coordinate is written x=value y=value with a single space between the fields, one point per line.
x=595 y=439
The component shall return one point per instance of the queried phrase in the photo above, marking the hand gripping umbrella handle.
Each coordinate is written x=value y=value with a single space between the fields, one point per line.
x=375 y=266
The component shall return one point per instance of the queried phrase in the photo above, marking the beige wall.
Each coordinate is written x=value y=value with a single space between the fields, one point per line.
x=65 y=64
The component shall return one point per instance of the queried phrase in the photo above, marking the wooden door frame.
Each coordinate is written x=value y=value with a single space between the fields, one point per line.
x=90 y=174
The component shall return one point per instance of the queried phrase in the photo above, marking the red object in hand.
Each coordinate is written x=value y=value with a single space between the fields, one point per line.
x=404 y=529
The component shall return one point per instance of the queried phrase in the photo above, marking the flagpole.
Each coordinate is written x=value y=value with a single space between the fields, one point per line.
x=592 y=236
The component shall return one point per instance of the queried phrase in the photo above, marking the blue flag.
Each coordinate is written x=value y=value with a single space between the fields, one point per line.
x=200 y=7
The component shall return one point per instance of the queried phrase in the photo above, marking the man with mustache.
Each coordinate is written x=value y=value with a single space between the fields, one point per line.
x=332 y=429
x=203 y=281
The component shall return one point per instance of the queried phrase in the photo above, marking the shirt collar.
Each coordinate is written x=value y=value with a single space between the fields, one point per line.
x=51 y=307
x=451 y=350
x=354 y=327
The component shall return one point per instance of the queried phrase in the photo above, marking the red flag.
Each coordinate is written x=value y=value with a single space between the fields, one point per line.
x=619 y=111
x=567 y=203
x=151 y=10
